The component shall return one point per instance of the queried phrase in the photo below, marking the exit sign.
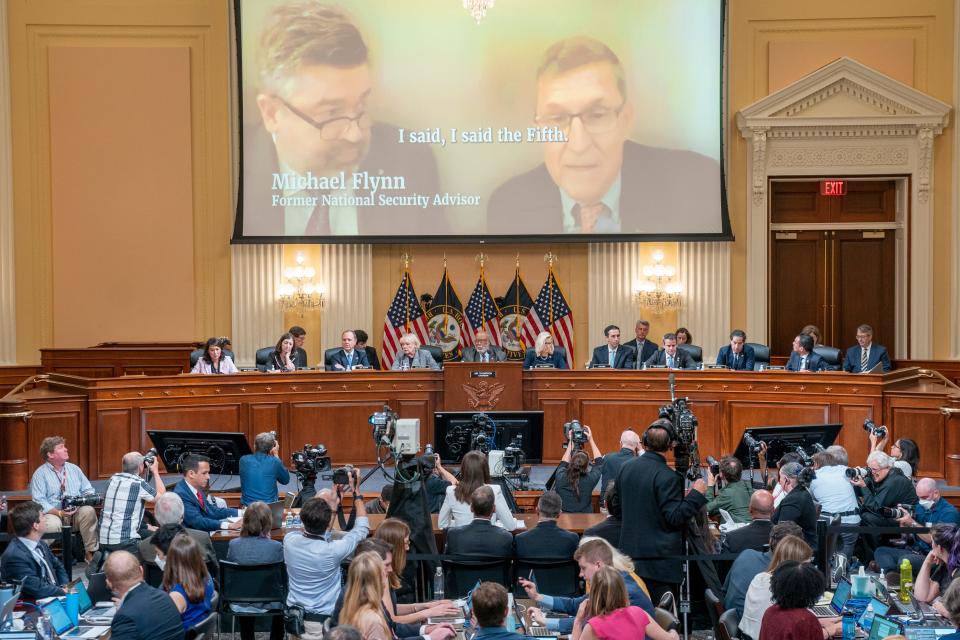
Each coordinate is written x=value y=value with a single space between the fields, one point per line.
x=833 y=187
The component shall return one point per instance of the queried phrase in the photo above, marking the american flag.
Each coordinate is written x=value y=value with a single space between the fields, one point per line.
x=482 y=313
x=404 y=316
x=550 y=312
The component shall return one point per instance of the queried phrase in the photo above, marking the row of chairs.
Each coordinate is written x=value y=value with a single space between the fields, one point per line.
x=558 y=577
x=726 y=623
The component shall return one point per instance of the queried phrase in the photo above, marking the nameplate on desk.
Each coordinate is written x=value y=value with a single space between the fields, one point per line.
x=543 y=366
x=483 y=374
x=716 y=366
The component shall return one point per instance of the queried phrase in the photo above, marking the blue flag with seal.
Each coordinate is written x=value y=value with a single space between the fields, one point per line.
x=513 y=310
x=445 y=320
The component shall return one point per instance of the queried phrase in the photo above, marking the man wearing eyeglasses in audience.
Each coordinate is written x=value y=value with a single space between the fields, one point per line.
x=314 y=83
x=594 y=180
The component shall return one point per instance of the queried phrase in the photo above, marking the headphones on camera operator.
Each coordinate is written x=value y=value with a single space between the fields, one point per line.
x=666 y=425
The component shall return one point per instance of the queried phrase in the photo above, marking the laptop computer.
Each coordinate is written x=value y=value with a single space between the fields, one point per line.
x=928 y=633
x=276 y=510
x=6 y=613
x=529 y=627
x=884 y=627
x=874 y=608
x=64 y=627
x=98 y=589
x=89 y=612
x=840 y=596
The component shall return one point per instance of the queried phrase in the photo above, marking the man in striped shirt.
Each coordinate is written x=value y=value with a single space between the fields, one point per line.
x=124 y=501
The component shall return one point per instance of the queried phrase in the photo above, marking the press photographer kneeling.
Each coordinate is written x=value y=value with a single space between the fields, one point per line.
x=881 y=489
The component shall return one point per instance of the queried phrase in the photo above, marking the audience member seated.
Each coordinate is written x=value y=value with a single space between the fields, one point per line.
x=886 y=487
x=490 y=607
x=363 y=597
x=254 y=546
x=576 y=476
x=214 y=360
x=932 y=509
x=185 y=577
x=482 y=350
x=411 y=356
x=342 y=632
x=348 y=356
x=630 y=448
x=607 y=613
x=610 y=528
x=940 y=568
x=544 y=354
x=866 y=355
x=474 y=472
x=261 y=470
x=905 y=452
x=803 y=358
x=381 y=503
x=313 y=560
x=734 y=494
x=396 y=533
x=795 y=588
x=755 y=535
x=547 y=540
x=27 y=560
x=123 y=504
x=480 y=539
x=591 y=555
x=750 y=562
x=143 y=612
x=669 y=356
x=297 y=354
x=737 y=355
x=200 y=511
x=362 y=339
x=798 y=505
x=951 y=602
x=613 y=354
x=57 y=479
x=168 y=509
x=759 y=598
x=835 y=495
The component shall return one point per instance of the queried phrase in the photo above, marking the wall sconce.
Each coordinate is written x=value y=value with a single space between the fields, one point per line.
x=299 y=293
x=658 y=292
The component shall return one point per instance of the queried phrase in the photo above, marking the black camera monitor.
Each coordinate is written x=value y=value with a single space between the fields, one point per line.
x=783 y=439
x=457 y=432
x=224 y=448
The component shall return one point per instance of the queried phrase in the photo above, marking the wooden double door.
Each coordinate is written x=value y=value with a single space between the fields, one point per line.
x=832 y=276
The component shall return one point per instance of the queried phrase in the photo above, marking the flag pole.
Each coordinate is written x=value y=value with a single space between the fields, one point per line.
x=550 y=257
x=406 y=283
x=516 y=288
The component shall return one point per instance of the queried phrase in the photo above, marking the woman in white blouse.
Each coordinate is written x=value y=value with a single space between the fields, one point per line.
x=474 y=472
x=759 y=598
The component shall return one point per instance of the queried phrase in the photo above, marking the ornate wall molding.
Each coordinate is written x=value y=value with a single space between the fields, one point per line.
x=887 y=155
x=8 y=315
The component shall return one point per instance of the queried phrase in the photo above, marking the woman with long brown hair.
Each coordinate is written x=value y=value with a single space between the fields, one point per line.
x=474 y=472
x=254 y=546
x=185 y=575
x=576 y=476
x=363 y=597
x=607 y=612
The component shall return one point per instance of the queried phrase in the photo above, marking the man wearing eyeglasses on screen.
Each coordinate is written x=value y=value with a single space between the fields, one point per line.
x=594 y=180
x=319 y=163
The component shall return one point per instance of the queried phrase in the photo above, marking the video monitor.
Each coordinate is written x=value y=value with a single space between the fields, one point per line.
x=457 y=432
x=782 y=439
x=224 y=448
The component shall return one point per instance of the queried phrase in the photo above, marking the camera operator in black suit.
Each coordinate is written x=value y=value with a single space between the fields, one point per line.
x=656 y=511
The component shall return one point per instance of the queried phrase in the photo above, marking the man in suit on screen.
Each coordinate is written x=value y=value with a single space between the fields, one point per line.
x=594 y=180
x=314 y=83
x=866 y=355
x=737 y=355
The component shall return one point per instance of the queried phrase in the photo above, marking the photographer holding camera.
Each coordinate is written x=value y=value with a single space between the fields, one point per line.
x=834 y=493
x=728 y=491
x=904 y=451
x=576 y=477
x=262 y=470
x=124 y=500
x=884 y=489
x=65 y=494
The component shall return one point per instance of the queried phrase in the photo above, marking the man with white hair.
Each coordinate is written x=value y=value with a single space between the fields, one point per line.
x=834 y=493
x=630 y=448
x=123 y=503
x=169 y=510
x=885 y=488
x=932 y=509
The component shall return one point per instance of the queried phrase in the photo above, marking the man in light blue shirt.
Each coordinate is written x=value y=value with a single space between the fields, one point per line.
x=261 y=471
x=835 y=494
x=313 y=559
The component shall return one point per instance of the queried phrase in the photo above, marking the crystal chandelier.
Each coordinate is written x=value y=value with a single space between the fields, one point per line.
x=299 y=293
x=659 y=292
x=478 y=8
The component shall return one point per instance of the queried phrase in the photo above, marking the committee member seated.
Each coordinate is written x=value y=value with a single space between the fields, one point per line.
x=866 y=355
x=297 y=354
x=803 y=358
x=57 y=479
x=755 y=535
x=261 y=470
x=613 y=354
x=349 y=356
x=591 y=555
x=669 y=356
x=737 y=355
x=123 y=503
x=281 y=358
x=143 y=612
x=474 y=472
x=543 y=354
x=214 y=360
x=547 y=539
x=362 y=339
x=200 y=511
x=411 y=356
x=313 y=560
x=490 y=608
x=482 y=350
x=480 y=539
x=609 y=615
x=27 y=560
x=729 y=492
x=577 y=477
x=642 y=347
x=168 y=509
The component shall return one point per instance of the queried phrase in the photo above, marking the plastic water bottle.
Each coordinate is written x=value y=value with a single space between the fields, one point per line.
x=511 y=621
x=438 y=584
x=906 y=580
x=849 y=624
x=44 y=625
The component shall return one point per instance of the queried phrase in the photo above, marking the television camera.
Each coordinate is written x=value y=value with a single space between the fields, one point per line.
x=686 y=455
x=513 y=456
x=309 y=462
x=481 y=434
